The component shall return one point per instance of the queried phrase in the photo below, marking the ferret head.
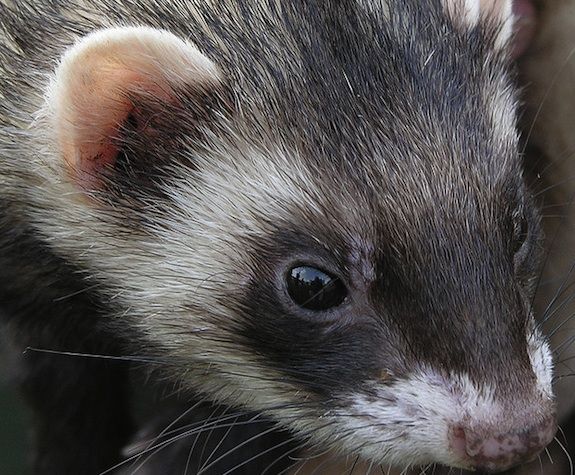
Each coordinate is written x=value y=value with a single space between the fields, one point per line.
x=320 y=216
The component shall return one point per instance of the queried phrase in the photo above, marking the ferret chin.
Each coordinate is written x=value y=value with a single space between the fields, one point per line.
x=311 y=212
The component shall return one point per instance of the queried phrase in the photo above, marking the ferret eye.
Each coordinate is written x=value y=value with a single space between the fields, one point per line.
x=314 y=289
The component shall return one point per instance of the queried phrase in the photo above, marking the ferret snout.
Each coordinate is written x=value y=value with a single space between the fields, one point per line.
x=493 y=450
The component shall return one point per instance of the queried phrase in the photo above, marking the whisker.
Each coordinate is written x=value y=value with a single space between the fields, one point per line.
x=560 y=429
x=209 y=421
x=425 y=469
x=130 y=358
x=159 y=446
x=295 y=374
x=566 y=453
x=552 y=84
x=565 y=320
x=548 y=455
x=558 y=293
x=321 y=466
x=201 y=457
x=540 y=276
x=251 y=439
x=161 y=434
x=198 y=430
x=553 y=186
x=558 y=351
x=370 y=468
x=285 y=456
x=78 y=292
x=306 y=458
x=353 y=466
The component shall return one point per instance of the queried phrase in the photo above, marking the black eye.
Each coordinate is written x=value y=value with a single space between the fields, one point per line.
x=315 y=289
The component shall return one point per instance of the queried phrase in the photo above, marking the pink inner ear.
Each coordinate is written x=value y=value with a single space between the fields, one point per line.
x=89 y=99
x=99 y=106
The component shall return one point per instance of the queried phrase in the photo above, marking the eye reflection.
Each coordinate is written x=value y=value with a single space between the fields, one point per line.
x=314 y=289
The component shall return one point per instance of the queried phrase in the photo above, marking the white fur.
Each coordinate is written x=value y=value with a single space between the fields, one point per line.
x=379 y=8
x=410 y=420
x=469 y=13
x=503 y=9
x=500 y=104
x=541 y=362
x=416 y=425
x=463 y=12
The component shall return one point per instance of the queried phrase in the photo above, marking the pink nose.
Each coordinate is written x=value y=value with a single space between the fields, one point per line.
x=491 y=451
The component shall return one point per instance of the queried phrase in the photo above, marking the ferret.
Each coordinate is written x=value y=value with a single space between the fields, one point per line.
x=312 y=211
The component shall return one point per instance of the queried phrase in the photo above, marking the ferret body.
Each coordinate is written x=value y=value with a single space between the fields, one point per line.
x=288 y=208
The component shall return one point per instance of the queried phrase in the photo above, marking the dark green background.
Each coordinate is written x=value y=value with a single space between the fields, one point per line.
x=13 y=432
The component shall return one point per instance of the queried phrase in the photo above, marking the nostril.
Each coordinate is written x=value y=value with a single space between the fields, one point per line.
x=489 y=450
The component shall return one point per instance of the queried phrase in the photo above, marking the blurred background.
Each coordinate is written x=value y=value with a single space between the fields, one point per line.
x=13 y=429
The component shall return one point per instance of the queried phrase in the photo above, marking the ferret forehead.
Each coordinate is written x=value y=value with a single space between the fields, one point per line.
x=378 y=53
x=358 y=211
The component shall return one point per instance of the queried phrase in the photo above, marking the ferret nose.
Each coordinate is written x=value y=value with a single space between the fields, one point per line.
x=492 y=451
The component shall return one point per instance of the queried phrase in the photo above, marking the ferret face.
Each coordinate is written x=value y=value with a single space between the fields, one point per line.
x=334 y=234
x=413 y=334
x=403 y=309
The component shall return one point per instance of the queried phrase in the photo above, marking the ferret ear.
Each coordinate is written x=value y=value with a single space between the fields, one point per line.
x=469 y=13
x=96 y=88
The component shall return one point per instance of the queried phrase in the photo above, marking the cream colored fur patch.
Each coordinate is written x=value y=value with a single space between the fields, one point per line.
x=469 y=13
